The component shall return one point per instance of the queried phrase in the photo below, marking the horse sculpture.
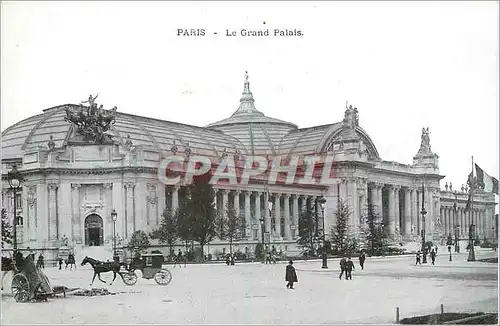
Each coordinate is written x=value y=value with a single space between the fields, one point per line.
x=103 y=267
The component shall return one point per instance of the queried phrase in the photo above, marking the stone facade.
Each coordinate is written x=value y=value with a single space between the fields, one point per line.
x=72 y=184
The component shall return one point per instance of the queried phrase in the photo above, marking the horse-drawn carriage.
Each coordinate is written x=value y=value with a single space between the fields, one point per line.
x=29 y=282
x=149 y=264
x=151 y=267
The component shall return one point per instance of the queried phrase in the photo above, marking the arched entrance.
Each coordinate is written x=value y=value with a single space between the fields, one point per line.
x=93 y=230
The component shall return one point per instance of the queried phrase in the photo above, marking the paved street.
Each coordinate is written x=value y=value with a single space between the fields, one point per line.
x=254 y=293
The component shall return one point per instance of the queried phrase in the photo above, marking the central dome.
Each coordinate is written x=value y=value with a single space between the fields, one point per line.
x=260 y=134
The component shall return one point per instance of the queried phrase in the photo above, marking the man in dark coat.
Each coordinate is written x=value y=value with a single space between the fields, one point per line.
x=349 y=266
x=291 y=275
x=417 y=262
x=342 y=267
x=433 y=256
x=362 y=259
x=40 y=263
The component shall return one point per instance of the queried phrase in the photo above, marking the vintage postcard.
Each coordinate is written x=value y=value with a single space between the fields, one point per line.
x=249 y=162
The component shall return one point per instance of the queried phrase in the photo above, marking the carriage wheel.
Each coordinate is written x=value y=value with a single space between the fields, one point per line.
x=129 y=278
x=20 y=288
x=163 y=277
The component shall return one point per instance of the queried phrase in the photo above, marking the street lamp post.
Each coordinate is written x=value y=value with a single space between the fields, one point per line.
x=324 y=255
x=15 y=179
x=457 y=226
x=114 y=216
x=423 y=212
x=262 y=226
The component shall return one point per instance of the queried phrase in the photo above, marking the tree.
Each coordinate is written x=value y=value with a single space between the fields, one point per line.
x=341 y=242
x=6 y=229
x=139 y=242
x=230 y=226
x=306 y=230
x=184 y=221
x=198 y=213
x=376 y=238
x=259 y=251
x=167 y=232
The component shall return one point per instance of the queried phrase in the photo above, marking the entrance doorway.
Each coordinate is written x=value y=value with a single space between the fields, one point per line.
x=93 y=230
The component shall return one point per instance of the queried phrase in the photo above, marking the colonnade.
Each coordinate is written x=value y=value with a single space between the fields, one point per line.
x=460 y=219
x=276 y=212
x=400 y=214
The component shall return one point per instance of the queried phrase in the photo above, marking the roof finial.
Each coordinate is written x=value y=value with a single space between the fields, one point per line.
x=246 y=88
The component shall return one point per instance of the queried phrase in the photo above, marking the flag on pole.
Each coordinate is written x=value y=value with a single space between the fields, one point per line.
x=470 y=182
x=488 y=183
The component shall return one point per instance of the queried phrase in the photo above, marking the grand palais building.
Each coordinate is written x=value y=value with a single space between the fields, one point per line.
x=80 y=162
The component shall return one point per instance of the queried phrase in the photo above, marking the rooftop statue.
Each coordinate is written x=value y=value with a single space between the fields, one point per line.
x=425 y=145
x=351 y=117
x=92 y=123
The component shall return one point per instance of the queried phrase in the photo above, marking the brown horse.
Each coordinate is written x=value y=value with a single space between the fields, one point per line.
x=103 y=267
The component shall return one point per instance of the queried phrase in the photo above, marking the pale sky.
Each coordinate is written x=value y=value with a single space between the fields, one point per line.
x=404 y=65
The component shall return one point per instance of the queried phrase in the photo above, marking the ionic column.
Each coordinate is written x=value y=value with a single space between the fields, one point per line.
x=175 y=198
x=380 y=207
x=277 y=213
x=248 y=221
x=479 y=220
x=295 y=212
x=392 y=217
x=463 y=222
x=107 y=221
x=407 y=214
x=415 y=219
x=444 y=216
x=373 y=195
x=236 y=202
x=286 y=203
x=31 y=203
x=257 y=213
x=430 y=213
x=454 y=222
x=76 y=224
x=353 y=202
x=129 y=209
x=53 y=227
x=396 y=208
x=161 y=201
x=446 y=220
x=267 y=213
x=225 y=201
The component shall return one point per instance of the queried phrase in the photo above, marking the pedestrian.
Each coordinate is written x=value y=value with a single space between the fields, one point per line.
x=60 y=260
x=349 y=267
x=291 y=275
x=343 y=263
x=362 y=258
x=417 y=262
x=433 y=256
x=40 y=263
x=178 y=259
